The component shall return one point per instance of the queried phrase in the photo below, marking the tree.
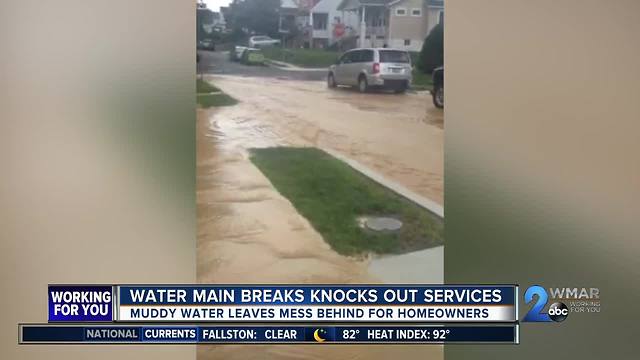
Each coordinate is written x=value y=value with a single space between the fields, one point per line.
x=203 y=16
x=432 y=53
x=254 y=16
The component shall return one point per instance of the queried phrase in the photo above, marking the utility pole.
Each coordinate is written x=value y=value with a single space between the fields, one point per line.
x=363 y=28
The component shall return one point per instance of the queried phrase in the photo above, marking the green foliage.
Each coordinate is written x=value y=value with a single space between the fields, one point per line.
x=415 y=57
x=254 y=16
x=421 y=81
x=237 y=36
x=203 y=16
x=432 y=53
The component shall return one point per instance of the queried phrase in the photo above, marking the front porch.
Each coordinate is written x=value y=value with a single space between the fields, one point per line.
x=373 y=29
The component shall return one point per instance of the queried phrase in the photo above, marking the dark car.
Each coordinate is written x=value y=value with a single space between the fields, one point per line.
x=438 y=87
x=206 y=44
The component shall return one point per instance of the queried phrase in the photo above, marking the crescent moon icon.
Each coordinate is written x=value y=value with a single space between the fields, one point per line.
x=317 y=336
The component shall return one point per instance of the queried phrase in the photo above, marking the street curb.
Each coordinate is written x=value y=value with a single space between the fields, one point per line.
x=209 y=93
x=290 y=67
x=422 y=201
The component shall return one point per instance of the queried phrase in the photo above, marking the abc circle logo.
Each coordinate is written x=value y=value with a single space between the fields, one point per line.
x=558 y=312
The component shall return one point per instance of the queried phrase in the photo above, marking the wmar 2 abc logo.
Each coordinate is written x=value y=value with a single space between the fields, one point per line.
x=557 y=312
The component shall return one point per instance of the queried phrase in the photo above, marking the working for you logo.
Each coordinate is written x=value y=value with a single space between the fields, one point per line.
x=562 y=302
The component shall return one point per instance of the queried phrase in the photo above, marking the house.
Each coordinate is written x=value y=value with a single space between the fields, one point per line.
x=315 y=23
x=330 y=24
x=294 y=22
x=401 y=24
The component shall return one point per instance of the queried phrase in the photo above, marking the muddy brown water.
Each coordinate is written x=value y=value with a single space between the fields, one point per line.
x=400 y=136
x=249 y=233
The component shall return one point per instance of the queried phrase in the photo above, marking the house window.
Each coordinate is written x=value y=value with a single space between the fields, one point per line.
x=320 y=21
x=416 y=12
x=401 y=12
x=287 y=23
x=407 y=42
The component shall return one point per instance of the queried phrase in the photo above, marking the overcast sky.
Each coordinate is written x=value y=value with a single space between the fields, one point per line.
x=215 y=4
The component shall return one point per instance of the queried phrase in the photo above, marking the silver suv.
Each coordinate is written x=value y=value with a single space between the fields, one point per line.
x=373 y=67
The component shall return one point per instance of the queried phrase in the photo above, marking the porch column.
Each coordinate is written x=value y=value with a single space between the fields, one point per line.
x=363 y=28
x=310 y=28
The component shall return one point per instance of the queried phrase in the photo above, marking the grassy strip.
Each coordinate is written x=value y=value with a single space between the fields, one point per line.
x=421 y=81
x=206 y=99
x=310 y=58
x=204 y=87
x=332 y=195
x=210 y=100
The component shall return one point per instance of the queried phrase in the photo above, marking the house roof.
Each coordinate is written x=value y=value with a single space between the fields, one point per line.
x=357 y=3
x=298 y=4
x=289 y=4
x=344 y=4
x=326 y=6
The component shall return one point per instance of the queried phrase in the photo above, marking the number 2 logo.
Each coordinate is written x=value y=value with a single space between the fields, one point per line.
x=535 y=314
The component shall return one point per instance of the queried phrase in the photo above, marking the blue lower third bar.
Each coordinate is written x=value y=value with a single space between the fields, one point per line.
x=100 y=334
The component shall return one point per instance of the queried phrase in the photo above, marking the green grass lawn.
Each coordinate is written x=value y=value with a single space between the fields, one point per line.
x=421 y=81
x=332 y=195
x=204 y=87
x=206 y=99
x=311 y=58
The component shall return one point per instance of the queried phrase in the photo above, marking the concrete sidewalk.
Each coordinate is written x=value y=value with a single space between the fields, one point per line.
x=420 y=200
x=419 y=267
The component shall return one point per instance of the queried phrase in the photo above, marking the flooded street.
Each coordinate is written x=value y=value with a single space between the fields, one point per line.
x=399 y=136
x=249 y=233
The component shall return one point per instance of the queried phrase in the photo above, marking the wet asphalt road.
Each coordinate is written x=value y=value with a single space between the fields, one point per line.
x=217 y=62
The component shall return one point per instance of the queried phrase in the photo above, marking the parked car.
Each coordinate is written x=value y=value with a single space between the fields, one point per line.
x=251 y=56
x=372 y=68
x=206 y=44
x=261 y=40
x=236 y=53
x=438 y=87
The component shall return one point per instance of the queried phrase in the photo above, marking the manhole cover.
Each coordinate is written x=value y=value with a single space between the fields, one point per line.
x=380 y=223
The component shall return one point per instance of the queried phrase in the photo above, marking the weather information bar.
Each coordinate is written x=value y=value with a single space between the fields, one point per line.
x=126 y=334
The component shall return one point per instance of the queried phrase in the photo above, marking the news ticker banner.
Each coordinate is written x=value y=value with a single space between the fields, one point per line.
x=154 y=334
x=283 y=303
